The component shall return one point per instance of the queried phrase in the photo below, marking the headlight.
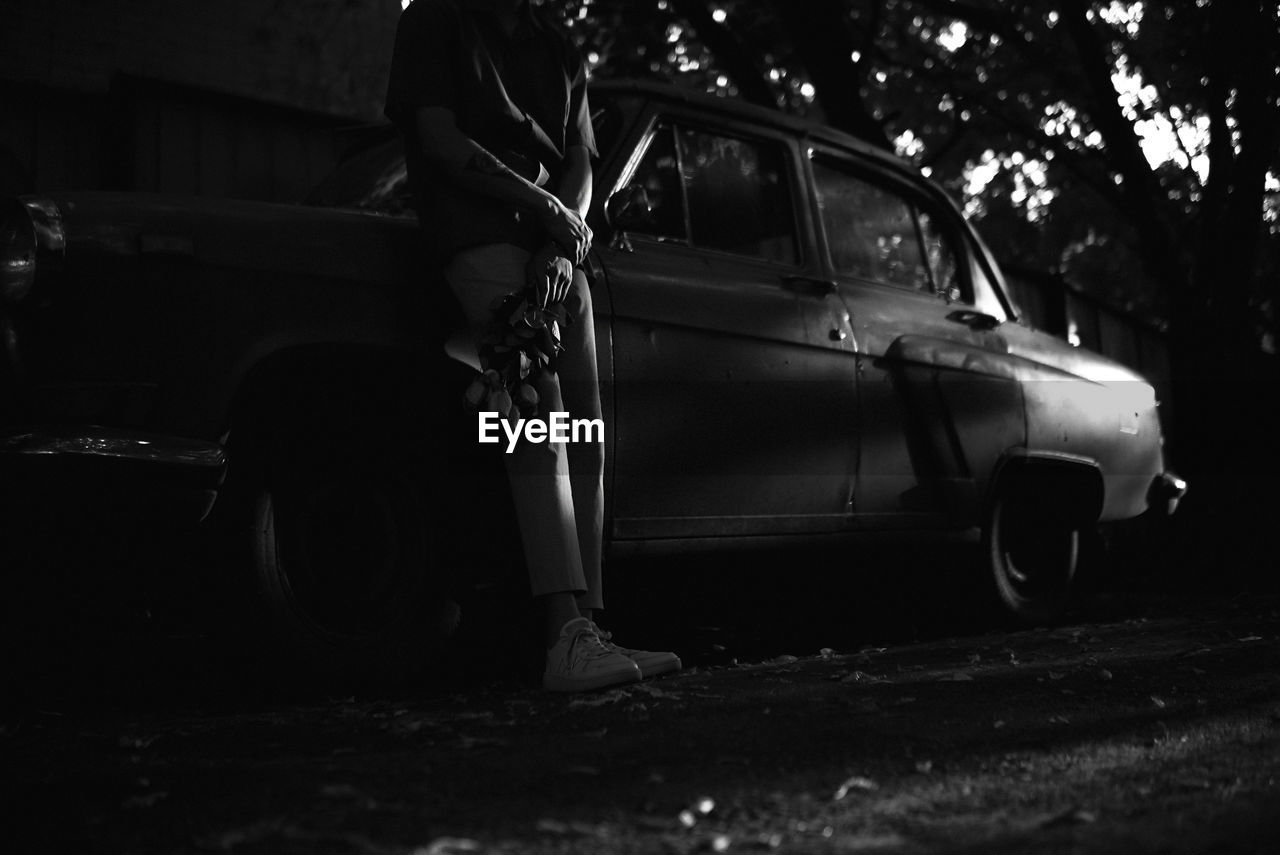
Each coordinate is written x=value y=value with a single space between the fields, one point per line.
x=17 y=252
x=30 y=231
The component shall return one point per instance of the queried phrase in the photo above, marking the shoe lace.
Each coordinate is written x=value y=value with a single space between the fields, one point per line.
x=588 y=643
x=606 y=638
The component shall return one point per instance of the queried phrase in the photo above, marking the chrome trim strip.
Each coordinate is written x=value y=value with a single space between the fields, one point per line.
x=113 y=444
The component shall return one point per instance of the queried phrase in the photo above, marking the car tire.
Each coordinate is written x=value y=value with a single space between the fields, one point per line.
x=1033 y=547
x=334 y=564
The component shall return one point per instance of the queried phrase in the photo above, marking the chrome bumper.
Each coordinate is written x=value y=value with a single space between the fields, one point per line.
x=124 y=470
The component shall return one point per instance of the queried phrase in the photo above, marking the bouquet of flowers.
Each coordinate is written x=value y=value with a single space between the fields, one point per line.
x=521 y=341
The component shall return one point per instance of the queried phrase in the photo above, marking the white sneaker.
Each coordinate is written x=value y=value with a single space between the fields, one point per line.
x=651 y=663
x=579 y=661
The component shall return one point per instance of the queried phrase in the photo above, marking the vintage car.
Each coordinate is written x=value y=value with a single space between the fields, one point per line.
x=800 y=340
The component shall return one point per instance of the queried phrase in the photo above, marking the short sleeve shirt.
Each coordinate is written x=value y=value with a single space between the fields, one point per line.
x=523 y=97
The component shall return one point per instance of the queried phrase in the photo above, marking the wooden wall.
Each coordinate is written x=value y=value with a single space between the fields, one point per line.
x=227 y=98
x=159 y=137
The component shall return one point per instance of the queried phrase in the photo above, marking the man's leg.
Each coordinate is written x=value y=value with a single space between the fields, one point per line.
x=538 y=472
x=543 y=492
x=580 y=388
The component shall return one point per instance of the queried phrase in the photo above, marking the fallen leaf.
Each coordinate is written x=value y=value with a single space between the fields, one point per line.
x=857 y=782
x=862 y=677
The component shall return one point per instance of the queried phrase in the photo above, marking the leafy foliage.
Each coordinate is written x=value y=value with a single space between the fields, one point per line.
x=1126 y=145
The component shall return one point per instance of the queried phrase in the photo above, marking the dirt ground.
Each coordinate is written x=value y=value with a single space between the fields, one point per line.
x=1151 y=725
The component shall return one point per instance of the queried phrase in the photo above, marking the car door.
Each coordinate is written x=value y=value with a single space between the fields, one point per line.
x=734 y=390
x=939 y=402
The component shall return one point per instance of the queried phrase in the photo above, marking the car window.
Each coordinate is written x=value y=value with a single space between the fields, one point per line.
x=659 y=176
x=372 y=178
x=719 y=192
x=876 y=233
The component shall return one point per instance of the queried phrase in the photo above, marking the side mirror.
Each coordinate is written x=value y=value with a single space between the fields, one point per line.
x=627 y=208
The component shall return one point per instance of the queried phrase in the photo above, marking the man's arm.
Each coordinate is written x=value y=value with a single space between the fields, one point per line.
x=575 y=184
x=550 y=273
x=470 y=166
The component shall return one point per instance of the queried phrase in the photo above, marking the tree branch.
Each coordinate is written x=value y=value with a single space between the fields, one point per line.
x=728 y=51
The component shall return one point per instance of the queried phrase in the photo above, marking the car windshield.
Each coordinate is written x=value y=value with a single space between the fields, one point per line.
x=372 y=176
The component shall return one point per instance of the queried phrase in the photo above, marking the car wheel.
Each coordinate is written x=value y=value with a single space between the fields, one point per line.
x=1033 y=548
x=338 y=563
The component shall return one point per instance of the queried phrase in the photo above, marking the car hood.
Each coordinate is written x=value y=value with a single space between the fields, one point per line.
x=102 y=227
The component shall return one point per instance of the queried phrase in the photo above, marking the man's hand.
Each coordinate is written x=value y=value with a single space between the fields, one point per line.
x=569 y=231
x=550 y=275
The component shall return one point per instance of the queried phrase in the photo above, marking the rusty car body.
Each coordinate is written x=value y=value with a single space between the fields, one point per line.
x=799 y=337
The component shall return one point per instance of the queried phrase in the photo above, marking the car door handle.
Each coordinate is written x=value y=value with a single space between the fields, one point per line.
x=974 y=319
x=809 y=285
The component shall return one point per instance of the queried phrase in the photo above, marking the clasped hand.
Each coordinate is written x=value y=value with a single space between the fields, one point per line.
x=549 y=275
x=567 y=229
